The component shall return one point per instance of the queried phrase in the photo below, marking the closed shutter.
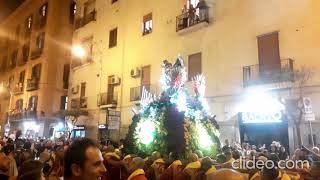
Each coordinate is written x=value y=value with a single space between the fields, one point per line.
x=268 y=50
x=194 y=65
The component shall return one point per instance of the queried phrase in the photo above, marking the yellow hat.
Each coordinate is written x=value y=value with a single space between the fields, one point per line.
x=193 y=165
x=159 y=161
x=211 y=170
x=127 y=157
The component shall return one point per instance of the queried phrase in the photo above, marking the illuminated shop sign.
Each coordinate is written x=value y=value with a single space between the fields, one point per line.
x=255 y=117
x=102 y=126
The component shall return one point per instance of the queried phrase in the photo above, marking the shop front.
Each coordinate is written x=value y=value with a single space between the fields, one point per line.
x=78 y=132
x=262 y=129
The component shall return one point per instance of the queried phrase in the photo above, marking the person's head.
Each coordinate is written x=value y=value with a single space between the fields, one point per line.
x=226 y=174
x=226 y=142
x=221 y=158
x=4 y=162
x=27 y=145
x=236 y=154
x=83 y=160
x=9 y=148
x=193 y=157
x=206 y=164
x=31 y=169
x=228 y=155
x=137 y=163
x=155 y=155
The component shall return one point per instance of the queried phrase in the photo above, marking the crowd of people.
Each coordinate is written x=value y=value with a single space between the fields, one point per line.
x=85 y=159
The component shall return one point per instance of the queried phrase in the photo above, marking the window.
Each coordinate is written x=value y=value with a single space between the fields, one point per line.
x=64 y=103
x=40 y=40
x=29 y=22
x=66 y=72
x=33 y=103
x=113 y=1
x=36 y=72
x=73 y=11
x=14 y=56
x=268 y=51
x=19 y=104
x=11 y=80
x=21 y=77
x=25 y=52
x=113 y=38
x=43 y=10
x=194 y=65
x=83 y=90
x=147 y=24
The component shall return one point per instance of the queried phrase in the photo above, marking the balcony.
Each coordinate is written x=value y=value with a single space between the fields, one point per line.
x=268 y=74
x=108 y=99
x=32 y=84
x=86 y=19
x=18 y=89
x=20 y=114
x=193 y=18
x=136 y=92
x=77 y=103
x=36 y=53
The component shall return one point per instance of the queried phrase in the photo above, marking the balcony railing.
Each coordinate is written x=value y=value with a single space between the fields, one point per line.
x=18 y=89
x=268 y=74
x=191 y=18
x=136 y=92
x=77 y=103
x=32 y=84
x=36 y=53
x=17 y=114
x=86 y=19
x=108 y=99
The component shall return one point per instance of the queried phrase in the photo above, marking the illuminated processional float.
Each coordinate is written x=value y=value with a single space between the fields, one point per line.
x=174 y=121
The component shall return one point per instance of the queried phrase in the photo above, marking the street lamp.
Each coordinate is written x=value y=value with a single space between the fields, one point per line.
x=78 y=51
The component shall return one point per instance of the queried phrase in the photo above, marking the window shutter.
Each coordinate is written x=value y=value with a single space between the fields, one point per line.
x=194 y=65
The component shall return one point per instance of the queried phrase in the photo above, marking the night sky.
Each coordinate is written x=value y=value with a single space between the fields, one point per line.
x=7 y=6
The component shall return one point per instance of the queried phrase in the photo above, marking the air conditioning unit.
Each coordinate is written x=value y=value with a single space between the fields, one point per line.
x=75 y=90
x=136 y=72
x=115 y=81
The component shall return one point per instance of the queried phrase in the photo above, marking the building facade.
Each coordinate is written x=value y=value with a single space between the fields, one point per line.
x=35 y=63
x=240 y=46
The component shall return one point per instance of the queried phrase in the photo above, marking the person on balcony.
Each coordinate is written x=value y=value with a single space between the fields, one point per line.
x=192 y=15
x=202 y=5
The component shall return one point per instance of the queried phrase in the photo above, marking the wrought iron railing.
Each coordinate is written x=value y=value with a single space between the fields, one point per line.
x=19 y=114
x=79 y=103
x=136 y=92
x=36 y=53
x=192 y=17
x=266 y=74
x=86 y=19
x=108 y=99
x=32 y=84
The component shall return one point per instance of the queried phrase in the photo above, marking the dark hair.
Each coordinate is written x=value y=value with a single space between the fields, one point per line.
x=27 y=145
x=76 y=154
x=30 y=170
x=8 y=149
